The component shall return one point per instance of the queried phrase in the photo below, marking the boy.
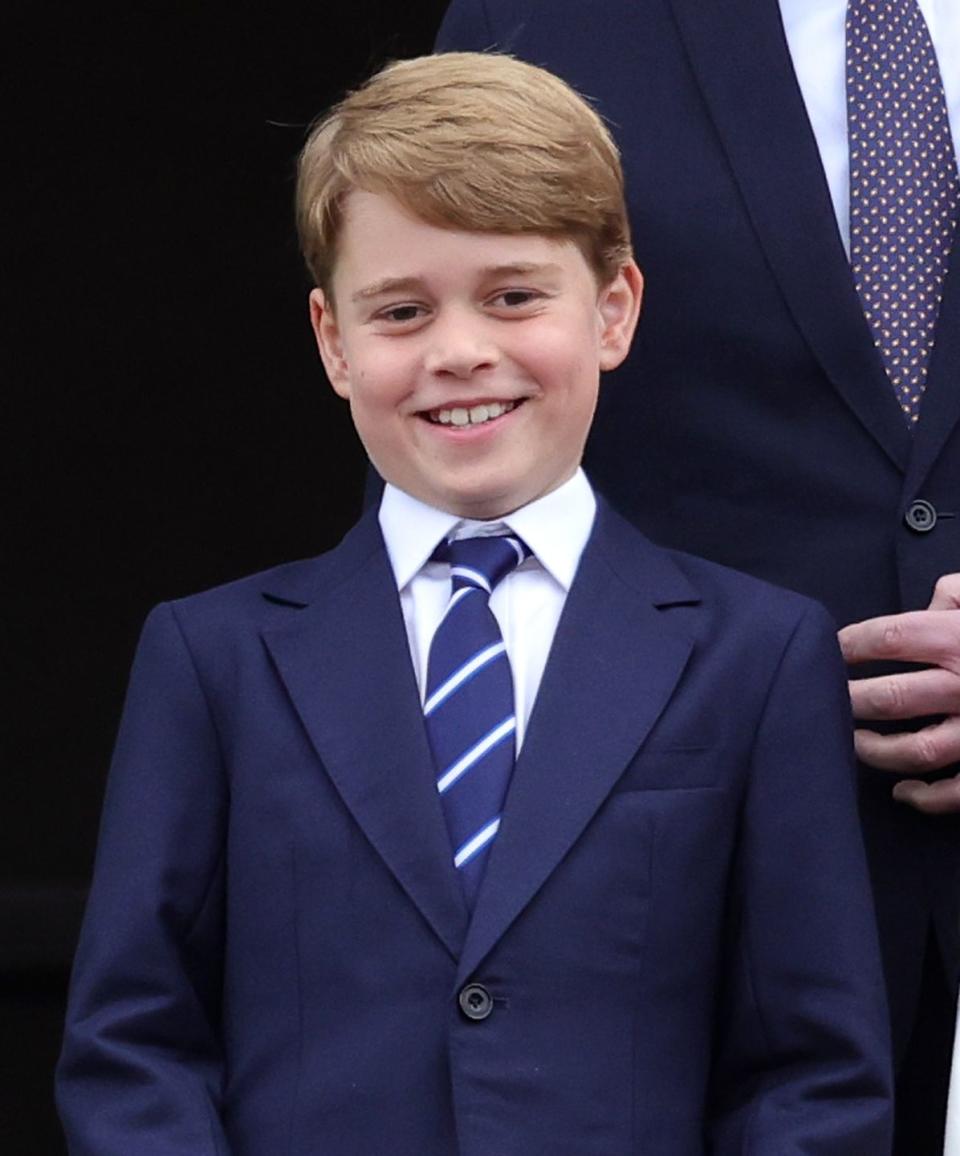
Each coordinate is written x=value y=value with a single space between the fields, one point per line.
x=330 y=915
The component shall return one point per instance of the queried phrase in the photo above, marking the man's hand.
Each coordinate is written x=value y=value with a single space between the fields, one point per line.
x=924 y=636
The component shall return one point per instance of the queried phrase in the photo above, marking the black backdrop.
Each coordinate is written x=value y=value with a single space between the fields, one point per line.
x=166 y=423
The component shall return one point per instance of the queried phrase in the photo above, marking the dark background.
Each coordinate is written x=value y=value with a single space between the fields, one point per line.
x=166 y=422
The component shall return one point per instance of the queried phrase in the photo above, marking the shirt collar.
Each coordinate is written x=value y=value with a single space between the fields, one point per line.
x=555 y=527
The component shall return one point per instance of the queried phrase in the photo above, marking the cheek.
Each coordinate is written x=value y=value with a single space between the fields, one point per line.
x=576 y=376
x=373 y=387
x=385 y=375
x=574 y=350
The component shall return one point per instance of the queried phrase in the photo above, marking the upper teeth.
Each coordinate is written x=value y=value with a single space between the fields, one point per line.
x=473 y=416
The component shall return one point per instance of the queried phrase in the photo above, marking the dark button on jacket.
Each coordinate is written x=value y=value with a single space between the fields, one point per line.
x=920 y=517
x=475 y=1001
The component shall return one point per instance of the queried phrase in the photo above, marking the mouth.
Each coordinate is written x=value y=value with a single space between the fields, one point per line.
x=462 y=416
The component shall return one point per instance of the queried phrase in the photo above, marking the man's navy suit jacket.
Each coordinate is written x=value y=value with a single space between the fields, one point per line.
x=754 y=423
x=674 y=926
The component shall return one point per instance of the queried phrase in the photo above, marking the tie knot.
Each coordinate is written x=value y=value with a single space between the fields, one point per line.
x=481 y=562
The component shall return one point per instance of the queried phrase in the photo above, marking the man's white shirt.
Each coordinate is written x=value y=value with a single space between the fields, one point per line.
x=952 y=1146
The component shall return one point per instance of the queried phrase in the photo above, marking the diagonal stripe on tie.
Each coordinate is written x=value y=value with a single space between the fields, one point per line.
x=476 y=843
x=474 y=577
x=459 y=677
x=470 y=758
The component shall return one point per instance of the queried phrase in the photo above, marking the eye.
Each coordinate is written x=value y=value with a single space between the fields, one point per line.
x=400 y=314
x=519 y=301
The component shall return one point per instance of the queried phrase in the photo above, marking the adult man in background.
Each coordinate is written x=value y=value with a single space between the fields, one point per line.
x=793 y=406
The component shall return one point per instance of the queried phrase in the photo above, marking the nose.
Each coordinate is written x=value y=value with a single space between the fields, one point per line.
x=460 y=345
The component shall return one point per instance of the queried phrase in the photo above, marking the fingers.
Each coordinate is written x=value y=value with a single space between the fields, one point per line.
x=915 y=636
x=922 y=636
x=911 y=752
x=940 y=798
x=913 y=695
x=946 y=593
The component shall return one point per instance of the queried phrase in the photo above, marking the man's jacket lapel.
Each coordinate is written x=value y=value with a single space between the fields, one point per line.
x=940 y=408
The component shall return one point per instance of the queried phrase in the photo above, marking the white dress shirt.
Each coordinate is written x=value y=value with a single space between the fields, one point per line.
x=817 y=41
x=952 y=1147
x=527 y=603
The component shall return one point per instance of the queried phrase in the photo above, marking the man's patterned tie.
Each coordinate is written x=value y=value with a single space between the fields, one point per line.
x=903 y=185
x=469 y=707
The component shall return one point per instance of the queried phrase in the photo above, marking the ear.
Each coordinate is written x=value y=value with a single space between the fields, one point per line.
x=619 y=308
x=329 y=341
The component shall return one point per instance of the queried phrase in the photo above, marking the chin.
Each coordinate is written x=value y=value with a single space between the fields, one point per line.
x=481 y=507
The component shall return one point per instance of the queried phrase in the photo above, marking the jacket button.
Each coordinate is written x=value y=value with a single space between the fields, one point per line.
x=475 y=1001
x=920 y=517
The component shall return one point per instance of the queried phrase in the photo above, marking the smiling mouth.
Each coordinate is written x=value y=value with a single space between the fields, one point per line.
x=470 y=415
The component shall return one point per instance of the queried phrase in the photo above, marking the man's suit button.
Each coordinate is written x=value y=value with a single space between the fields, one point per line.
x=920 y=517
x=475 y=1001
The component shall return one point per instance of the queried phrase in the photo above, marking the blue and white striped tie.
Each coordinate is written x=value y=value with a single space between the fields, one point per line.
x=469 y=708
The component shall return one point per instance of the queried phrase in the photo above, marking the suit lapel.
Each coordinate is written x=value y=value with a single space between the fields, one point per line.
x=345 y=663
x=940 y=408
x=612 y=640
x=740 y=56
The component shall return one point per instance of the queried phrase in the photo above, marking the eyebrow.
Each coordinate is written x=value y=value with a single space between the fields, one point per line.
x=412 y=284
x=387 y=285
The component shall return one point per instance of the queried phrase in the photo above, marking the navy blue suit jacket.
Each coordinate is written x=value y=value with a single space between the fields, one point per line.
x=754 y=423
x=674 y=926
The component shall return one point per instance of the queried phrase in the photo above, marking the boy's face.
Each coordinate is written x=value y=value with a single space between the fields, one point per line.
x=471 y=360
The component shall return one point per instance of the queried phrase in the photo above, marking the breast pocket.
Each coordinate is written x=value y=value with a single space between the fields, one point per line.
x=691 y=768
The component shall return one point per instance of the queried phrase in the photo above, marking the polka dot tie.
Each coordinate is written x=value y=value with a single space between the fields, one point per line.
x=903 y=185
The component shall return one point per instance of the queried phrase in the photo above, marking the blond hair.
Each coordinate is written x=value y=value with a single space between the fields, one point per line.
x=473 y=141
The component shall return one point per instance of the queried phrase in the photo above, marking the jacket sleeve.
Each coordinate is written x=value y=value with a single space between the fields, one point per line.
x=141 y=1068
x=804 y=1063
